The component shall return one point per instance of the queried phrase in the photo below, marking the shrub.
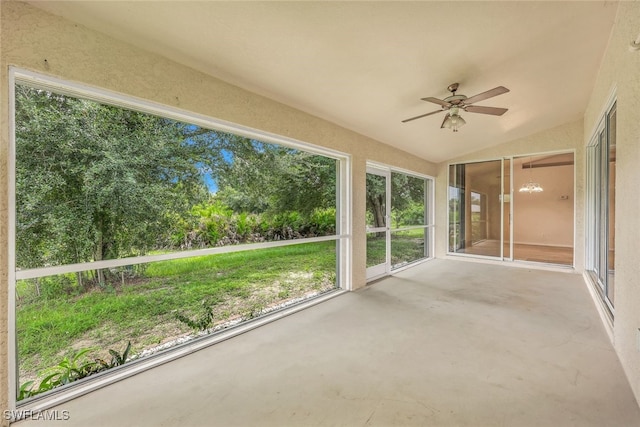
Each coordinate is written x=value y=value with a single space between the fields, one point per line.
x=204 y=320
x=411 y=215
x=72 y=369
x=215 y=224
x=323 y=221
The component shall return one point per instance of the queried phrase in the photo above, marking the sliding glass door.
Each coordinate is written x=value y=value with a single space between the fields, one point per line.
x=479 y=209
x=487 y=218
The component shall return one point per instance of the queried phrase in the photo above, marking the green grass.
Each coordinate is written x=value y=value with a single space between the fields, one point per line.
x=143 y=311
x=406 y=246
x=376 y=249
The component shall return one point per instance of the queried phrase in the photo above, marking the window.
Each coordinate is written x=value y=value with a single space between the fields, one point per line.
x=137 y=230
x=601 y=178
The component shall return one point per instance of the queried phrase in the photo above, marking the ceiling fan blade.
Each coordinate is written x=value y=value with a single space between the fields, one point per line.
x=485 y=95
x=437 y=101
x=494 y=111
x=421 y=116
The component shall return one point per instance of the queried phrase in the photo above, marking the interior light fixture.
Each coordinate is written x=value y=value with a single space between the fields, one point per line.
x=453 y=120
x=530 y=187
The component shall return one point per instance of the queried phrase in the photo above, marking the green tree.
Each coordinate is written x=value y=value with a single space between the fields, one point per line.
x=376 y=199
x=95 y=181
x=258 y=177
x=407 y=199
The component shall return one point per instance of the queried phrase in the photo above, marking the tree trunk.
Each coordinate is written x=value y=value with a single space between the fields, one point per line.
x=377 y=207
x=379 y=213
x=99 y=254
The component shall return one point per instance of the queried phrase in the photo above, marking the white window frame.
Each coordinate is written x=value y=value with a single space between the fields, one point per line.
x=342 y=237
x=592 y=194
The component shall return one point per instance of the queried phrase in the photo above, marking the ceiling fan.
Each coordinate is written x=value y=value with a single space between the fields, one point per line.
x=454 y=103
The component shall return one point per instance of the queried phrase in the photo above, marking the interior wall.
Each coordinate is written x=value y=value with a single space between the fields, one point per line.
x=544 y=218
x=35 y=40
x=567 y=137
x=620 y=69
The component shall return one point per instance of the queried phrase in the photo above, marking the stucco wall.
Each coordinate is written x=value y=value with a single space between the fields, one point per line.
x=29 y=36
x=621 y=68
x=562 y=138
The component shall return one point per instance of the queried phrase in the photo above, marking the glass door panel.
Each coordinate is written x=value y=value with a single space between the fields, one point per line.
x=377 y=222
x=475 y=218
x=543 y=221
x=409 y=219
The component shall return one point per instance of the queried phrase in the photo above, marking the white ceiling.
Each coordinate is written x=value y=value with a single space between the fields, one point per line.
x=365 y=65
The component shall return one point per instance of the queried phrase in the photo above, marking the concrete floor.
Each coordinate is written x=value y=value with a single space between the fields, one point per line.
x=447 y=343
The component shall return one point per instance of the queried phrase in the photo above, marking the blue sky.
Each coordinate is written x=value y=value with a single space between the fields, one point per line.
x=206 y=175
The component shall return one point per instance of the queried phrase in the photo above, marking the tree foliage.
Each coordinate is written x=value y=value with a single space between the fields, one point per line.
x=98 y=182
x=407 y=199
x=95 y=181
x=258 y=177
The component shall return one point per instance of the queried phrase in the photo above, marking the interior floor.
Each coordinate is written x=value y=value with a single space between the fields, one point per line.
x=523 y=252
x=446 y=343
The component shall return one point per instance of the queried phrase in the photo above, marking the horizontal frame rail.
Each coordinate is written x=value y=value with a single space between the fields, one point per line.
x=121 y=262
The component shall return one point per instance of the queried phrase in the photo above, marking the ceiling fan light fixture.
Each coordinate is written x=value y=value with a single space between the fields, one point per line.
x=454 y=121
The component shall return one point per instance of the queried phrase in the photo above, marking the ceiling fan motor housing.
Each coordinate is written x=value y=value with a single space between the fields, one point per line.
x=455 y=99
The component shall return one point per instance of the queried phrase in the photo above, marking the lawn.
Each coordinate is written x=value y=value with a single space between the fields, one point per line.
x=406 y=247
x=145 y=308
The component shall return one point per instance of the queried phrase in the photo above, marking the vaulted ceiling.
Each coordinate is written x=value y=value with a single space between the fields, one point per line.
x=365 y=65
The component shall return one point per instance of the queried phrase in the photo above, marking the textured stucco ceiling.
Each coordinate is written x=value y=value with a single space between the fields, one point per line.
x=365 y=65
